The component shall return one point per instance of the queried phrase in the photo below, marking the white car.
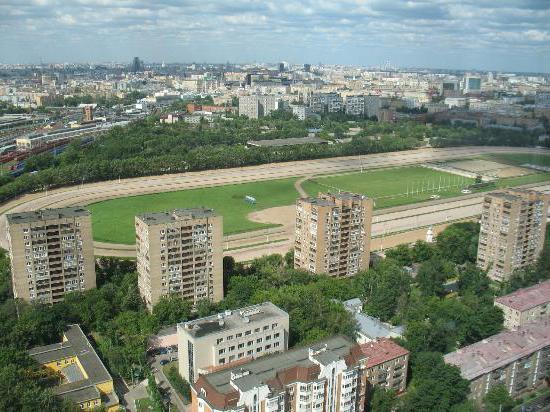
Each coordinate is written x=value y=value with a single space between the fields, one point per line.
x=435 y=197
x=466 y=191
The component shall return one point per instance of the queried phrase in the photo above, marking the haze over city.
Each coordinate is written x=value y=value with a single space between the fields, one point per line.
x=507 y=35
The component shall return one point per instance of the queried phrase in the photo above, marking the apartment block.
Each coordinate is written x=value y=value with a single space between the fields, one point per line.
x=355 y=105
x=326 y=102
x=525 y=305
x=517 y=359
x=233 y=337
x=333 y=234
x=327 y=376
x=83 y=379
x=256 y=106
x=513 y=225
x=179 y=252
x=51 y=253
x=387 y=364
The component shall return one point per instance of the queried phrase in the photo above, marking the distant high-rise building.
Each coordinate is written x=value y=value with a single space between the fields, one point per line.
x=333 y=234
x=283 y=67
x=513 y=224
x=179 y=252
x=51 y=253
x=472 y=84
x=137 y=65
x=87 y=113
x=307 y=67
x=326 y=102
x=355 y=105
x=256 y=106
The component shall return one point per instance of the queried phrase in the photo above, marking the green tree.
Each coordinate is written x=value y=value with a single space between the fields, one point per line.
x=382 y=400
x=498 y=400
x=432 y=274
x=458 y=242
x=171 y=310
x=401 y=254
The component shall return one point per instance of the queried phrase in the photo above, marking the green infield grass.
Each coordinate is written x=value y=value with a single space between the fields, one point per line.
x=393 y=187
x=113 y=220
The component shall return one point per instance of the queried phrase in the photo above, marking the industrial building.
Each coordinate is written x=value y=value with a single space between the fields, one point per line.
x=333 y=234
x=51 y=253
x=513 y=225
x=232 y=337
x=179 y=252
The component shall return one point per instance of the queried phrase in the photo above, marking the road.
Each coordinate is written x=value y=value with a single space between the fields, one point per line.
x=93 y=192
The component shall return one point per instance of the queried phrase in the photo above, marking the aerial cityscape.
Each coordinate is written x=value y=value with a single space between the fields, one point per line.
x=275 y=207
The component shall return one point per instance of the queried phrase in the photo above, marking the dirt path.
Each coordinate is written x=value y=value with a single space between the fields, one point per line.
x=299 y=188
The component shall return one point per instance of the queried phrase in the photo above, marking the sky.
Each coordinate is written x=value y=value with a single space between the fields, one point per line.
x=500 y=35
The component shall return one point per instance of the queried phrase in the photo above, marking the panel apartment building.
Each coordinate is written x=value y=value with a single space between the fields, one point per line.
x=327 y=376
x=179 y=252
x=232 y=337
x=517 y=359
x=333 y=234
x=51 y=253
x=513 y=224
x=525 y=305
x=256 y=106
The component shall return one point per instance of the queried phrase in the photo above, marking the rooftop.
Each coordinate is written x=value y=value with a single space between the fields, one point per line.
x=228 y=320
x=527 y=298
x=155 y=218
x=292 y=141
x=80 y=385
x=500 y=350
x=268 y=368
x=370 y=326
x=47 y=214
x=381 y=351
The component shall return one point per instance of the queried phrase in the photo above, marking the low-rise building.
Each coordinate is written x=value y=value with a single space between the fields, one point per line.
x=370 y=328
x=525 y=305
x=387 y=364
x=232 y=337
x=517 y=359
x=84 y=379
x=327 y=376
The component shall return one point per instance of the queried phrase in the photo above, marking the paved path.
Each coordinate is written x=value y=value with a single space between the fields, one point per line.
x=93 y=192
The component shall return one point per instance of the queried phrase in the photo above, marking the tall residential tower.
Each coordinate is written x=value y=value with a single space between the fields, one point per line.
x=333 y=234
x=179 y=252
x=51 y=253
x=513 y=224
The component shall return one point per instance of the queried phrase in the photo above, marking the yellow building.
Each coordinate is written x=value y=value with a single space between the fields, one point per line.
x=84 y=379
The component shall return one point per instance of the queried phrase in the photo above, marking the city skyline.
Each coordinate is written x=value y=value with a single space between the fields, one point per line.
x=505 y=36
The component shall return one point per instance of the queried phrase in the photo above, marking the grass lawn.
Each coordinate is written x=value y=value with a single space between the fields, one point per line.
x=113 y=220
x=520 y=158
x=389 y=187
x=145 y=405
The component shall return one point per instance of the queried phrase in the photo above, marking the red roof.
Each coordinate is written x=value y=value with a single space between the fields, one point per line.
x=382 y=350
x=525 y=299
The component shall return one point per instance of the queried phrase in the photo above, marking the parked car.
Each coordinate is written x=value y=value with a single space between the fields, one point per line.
x=164 y=362
x=466 y=191
x=435 y=197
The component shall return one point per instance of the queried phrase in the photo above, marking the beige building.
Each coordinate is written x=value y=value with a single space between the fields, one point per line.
x=328 y=376
x=333 y=234
x=387 y=364
x=525 y=305
x=513 y=225
x=517 y=359
x=229 y=338
x=256 y=106
x=179 y=252
x=51 y=253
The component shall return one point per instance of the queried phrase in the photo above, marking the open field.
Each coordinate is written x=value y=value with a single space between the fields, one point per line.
x=113 y=220
x=393 y=187
x=489 y=168
x=520 y=158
